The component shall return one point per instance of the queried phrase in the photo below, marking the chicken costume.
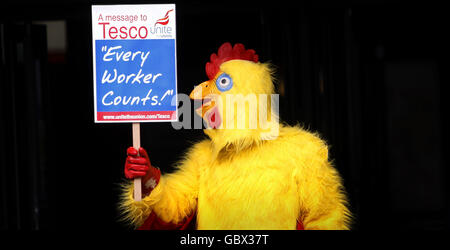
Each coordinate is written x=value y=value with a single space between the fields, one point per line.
x=272 y=176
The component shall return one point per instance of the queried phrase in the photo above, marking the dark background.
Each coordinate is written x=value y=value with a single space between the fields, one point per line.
x=369 y=76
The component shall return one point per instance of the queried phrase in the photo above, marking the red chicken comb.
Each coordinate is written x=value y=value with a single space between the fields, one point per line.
x=227 y=53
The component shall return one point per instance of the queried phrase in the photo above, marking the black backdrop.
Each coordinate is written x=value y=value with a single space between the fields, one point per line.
x=369 y=76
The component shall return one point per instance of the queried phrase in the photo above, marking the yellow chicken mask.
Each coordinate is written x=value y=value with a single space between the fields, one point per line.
x=237 y=101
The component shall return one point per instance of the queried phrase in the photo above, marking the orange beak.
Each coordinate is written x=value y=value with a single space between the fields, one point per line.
x=201 y=91
x=205 y=92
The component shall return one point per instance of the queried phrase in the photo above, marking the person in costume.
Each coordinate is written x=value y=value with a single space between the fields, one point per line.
x=270 y=176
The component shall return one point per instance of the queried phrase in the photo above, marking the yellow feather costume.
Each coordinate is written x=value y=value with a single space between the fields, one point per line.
x=237 y=179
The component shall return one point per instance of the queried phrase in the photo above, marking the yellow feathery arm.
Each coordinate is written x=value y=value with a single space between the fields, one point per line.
x=323 y=203
x=175 y=196
x=326 y=207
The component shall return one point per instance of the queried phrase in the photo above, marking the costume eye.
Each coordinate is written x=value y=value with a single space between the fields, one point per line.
x=224 y=82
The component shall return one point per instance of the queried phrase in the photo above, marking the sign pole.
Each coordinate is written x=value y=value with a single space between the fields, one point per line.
x=137 y=145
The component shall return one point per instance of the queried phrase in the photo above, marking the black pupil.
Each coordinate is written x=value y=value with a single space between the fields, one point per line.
x=223 y=81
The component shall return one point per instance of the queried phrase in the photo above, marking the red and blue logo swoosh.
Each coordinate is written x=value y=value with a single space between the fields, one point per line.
x=164 y=20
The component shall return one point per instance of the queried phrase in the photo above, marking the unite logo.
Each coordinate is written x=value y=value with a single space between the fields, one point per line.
x=164 y=20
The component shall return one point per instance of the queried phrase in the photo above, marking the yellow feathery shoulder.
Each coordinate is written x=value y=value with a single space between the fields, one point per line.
x=323 y=202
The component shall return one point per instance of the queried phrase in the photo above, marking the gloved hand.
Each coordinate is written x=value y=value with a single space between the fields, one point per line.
x=138 y=165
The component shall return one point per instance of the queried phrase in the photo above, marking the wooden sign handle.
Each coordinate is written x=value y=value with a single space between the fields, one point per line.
x=137 y=145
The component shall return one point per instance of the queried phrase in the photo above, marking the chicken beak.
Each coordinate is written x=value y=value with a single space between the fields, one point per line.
x=201 y=91
x=205 y=92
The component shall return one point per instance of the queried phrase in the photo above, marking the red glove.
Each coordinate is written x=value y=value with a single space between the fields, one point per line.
x=138 y=165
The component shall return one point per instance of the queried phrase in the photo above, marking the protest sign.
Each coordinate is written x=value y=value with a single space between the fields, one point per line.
x=134 y=66
x=134 y=60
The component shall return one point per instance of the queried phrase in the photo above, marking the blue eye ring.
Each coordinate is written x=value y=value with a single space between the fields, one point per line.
x=224 y=82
